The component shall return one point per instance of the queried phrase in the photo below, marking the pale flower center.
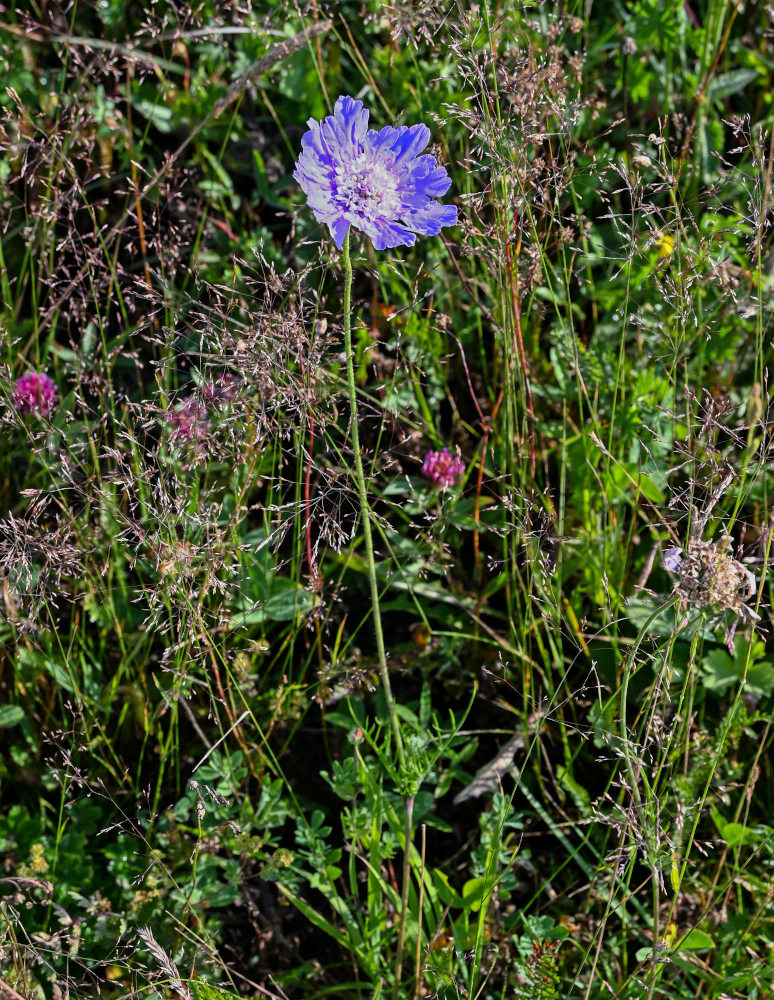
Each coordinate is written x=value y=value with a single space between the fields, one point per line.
x=366 y=188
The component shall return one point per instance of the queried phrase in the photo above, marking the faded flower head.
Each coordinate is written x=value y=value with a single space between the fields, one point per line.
x=189 y=421
x=707 y=576
x=374 y=181
x=35 y=392
x=441 y=468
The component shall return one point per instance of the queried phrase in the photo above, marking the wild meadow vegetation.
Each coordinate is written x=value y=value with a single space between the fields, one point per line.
x=486 y=714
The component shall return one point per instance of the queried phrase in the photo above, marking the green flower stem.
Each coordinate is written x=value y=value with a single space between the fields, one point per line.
x=642 y=808
x=365 y=510
x=408 y=803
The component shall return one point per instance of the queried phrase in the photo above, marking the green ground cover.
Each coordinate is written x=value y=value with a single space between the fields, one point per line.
x=556 y=780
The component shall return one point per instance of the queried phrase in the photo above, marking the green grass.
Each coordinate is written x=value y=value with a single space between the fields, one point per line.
x=200 y=779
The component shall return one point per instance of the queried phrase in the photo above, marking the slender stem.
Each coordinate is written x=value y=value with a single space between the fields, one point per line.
x=418 y=957
x=408 y=803
x=642 y=811
x=365 y=510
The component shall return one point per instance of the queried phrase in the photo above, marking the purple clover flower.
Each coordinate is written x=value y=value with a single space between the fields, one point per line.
x=441 y=468
x=35 y=392
x=189 y=421
x=374 y=181
x=225 y=388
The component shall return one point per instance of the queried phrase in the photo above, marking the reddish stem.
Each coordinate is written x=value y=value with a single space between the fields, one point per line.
x=307 y=504
x=514 y=282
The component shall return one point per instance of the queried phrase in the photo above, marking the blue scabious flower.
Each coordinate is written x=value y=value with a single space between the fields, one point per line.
x=374 y=181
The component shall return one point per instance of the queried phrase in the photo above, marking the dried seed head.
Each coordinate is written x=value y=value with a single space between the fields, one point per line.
x=708 y=577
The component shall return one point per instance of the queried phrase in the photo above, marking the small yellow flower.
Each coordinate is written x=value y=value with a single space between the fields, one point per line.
x=37 y=863
x=666 y=246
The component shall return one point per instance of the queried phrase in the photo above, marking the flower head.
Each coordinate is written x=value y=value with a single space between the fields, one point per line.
x=441 y=468
x=673 y=560
x=374 y=181
x=189 y=421
x=35 y=392
x=225 y=388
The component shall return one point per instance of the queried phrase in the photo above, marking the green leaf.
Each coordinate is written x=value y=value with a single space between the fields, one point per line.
x=674 y=875
x=544 y=928
x=289 y=604
x=628 y=478
x=159 y=115
x=206 y=991
x=425 y=706
x=474 y=892
x=221 y=184
x=578 y=792
x=441 y=887
x=639 y=612
x=760 y=678
x=10 y=715
x=313 y=916
x=60 y=675
x=602 y=719
x=696 y=940
x=733 y=833
x=732 y=82
x=719 y=671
